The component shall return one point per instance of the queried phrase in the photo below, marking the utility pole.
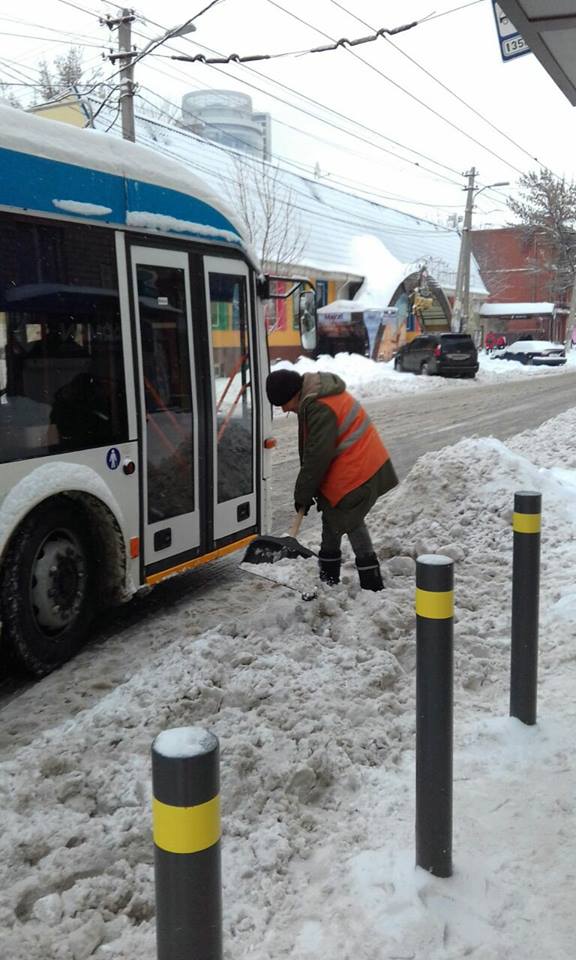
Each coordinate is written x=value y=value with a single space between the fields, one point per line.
x=126 y=57
x=129 y=56
x=571 y=315
x=462 y=293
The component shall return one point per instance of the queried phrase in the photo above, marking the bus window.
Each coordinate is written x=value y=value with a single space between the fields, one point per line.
x=233 y=386
x=167 y=391
x=61 y=367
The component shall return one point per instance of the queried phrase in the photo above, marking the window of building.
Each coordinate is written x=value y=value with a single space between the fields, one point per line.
x=321 y=293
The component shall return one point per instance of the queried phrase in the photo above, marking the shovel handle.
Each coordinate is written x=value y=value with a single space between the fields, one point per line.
x=296 y=523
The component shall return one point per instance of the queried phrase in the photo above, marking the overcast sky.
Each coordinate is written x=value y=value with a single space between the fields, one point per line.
x=350 y=101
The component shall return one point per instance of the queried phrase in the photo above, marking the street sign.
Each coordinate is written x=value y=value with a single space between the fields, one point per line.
x=512 y=44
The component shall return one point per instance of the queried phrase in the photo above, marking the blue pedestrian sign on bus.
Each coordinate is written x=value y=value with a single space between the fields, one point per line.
x=113 y=458
x=512 y=44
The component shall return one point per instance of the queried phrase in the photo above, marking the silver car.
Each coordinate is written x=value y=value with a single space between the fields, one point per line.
x=536 y=352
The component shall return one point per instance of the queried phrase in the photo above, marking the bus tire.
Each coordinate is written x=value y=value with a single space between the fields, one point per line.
x=47 y=592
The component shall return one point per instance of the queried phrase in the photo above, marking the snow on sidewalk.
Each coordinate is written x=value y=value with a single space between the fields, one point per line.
x=314 y=707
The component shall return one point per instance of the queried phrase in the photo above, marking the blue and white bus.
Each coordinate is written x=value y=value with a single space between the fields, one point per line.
x=135 y=435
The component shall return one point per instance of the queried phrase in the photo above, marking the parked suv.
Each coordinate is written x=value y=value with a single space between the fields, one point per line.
x=445 y=354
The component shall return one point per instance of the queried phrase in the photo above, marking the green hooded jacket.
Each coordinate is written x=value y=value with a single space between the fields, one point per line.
x=317 y=435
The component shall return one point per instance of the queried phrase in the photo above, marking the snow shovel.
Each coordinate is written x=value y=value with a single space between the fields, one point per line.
x=268 y=549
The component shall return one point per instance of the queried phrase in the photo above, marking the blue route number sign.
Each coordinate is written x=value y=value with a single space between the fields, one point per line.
x=512 y=44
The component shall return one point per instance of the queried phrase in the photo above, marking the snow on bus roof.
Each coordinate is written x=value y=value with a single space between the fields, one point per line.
x=89 y=149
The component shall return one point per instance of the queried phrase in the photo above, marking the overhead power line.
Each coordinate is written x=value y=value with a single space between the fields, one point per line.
x=338 y=114
x=343 y=42
x=304 y=170
x=336 y=126
x=161 y=40
x=178 y=74
x=294 y=92
x=399 y=86
x=444 y=86
x=369 y=221
x=446 y=13
x=307 y=169
x=356 y=136
x=76 y=6
x=67 y=41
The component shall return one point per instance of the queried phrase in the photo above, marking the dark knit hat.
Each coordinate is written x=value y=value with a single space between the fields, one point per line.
x=282 y=385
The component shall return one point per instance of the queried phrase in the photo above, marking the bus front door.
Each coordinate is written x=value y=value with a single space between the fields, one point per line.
x=168 y=405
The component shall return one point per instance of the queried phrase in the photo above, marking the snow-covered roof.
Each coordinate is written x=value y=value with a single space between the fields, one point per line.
x=336 y=227
x=346 y=306
x=48 y=166
x=511 y=309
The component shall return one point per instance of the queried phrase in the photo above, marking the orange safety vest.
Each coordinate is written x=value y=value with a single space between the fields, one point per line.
x=359 y=449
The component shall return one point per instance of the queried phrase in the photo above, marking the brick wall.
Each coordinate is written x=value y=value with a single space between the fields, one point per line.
x=513 y=264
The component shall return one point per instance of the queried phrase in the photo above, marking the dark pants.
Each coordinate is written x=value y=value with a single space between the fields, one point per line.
x=359 y=538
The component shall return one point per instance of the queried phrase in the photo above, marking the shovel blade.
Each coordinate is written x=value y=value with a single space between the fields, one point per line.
x=270 y=549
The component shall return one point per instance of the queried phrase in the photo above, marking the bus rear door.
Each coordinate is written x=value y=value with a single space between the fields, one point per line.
x=234 y=398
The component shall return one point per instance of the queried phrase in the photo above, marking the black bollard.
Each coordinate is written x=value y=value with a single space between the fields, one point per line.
x=525 y=605
x=434 y=711
x=186 y=817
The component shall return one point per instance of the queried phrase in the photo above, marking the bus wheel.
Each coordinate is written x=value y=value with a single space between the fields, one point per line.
x=47 y=588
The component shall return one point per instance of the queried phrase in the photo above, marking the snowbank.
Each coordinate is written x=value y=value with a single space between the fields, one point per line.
x=314 y=707
x=367 y=378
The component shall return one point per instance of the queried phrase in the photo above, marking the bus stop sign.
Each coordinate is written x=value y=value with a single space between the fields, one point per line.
x=511 y=43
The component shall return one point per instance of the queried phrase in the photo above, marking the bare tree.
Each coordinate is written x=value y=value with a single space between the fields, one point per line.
x=157 y=115
x=65 y=75
x=547 y=209
x=266 y=208
x=7 y=96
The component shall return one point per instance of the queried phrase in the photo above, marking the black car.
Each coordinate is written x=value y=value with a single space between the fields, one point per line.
x=444 y=354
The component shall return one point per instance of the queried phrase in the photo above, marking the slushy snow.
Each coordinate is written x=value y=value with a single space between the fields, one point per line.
x=313 y=704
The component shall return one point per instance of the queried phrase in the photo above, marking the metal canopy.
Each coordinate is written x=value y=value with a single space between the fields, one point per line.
x=549 y=29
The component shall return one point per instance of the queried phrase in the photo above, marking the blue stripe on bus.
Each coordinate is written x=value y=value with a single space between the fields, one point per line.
x=34 y=183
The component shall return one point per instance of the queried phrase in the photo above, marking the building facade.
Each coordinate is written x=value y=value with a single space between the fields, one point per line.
x=528 y=296
x=226 y=117
x=515 y=263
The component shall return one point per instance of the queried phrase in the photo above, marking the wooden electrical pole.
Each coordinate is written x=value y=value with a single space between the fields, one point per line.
x=126 y=57
x=461 y=309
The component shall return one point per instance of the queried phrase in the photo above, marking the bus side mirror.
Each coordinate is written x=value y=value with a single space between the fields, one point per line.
x=307 y=320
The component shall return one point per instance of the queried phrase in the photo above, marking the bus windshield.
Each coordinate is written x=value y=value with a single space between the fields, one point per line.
x=61 y=365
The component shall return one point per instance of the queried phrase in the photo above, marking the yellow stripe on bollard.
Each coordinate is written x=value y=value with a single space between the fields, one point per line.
x=434 y=605
x=526 y=522
x=186 y=829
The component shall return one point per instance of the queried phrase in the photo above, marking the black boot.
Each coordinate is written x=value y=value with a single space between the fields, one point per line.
x=369 y=572
x=329 y=563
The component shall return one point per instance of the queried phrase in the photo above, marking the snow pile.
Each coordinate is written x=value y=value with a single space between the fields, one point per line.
x=314 y=707
x=368 y=378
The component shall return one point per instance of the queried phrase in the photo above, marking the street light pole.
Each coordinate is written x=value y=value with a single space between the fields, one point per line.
x=461 y=309
x=126 y=74
x=128 y=58
x=462 y=291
